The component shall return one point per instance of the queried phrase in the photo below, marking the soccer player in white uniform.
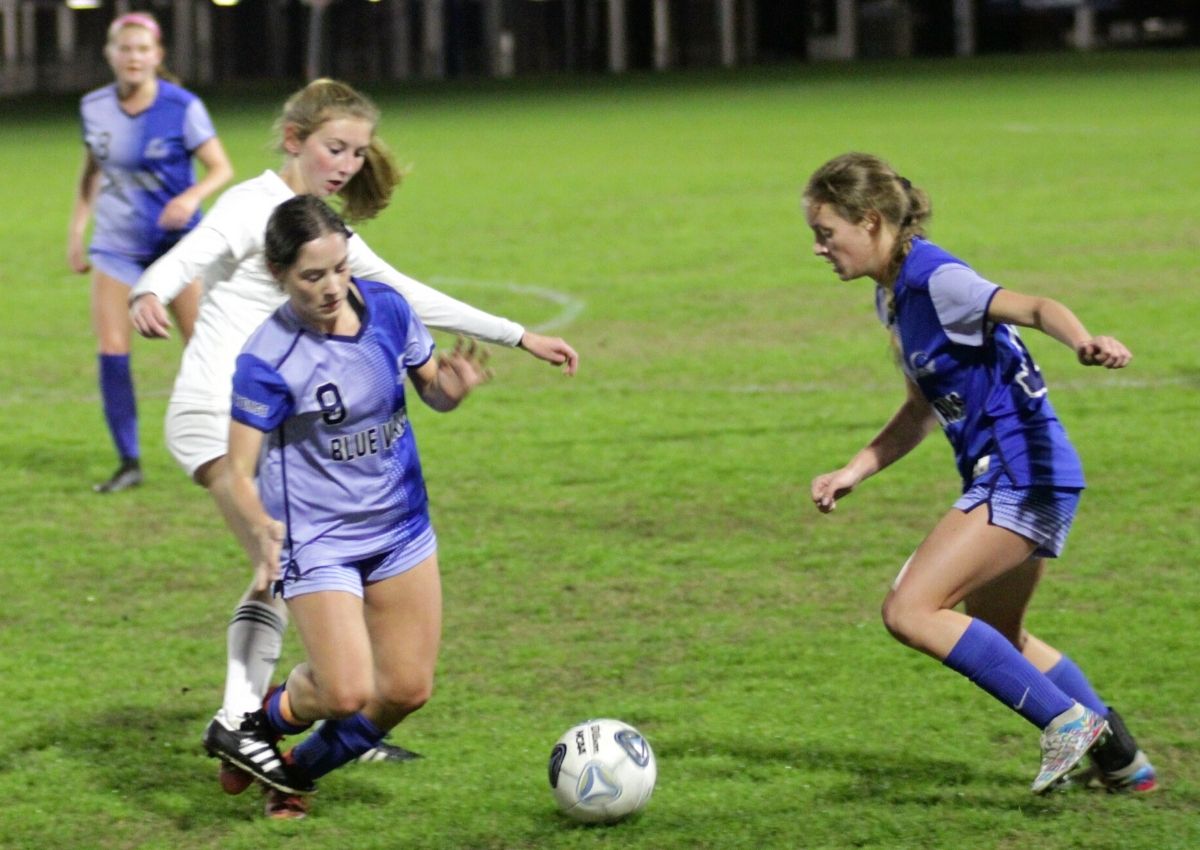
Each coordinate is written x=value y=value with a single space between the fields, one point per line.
x=327 y=488
x=141 y=133
x=955 y=335
x=328 y=139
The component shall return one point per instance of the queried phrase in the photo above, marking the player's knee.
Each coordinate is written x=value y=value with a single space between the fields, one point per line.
x=345 y=700
x=903 y=620
x=404 y=696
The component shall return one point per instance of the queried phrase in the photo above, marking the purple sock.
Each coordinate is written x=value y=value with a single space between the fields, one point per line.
x=335 y=743
x=275 y=715
x=1071 y=681
x=120 y=406
x=985 y=657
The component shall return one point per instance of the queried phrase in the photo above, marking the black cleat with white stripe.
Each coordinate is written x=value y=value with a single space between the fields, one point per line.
x=252 y=748
x=384 y=751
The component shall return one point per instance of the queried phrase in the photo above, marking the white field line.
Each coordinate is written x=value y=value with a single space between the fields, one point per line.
x=782 y=389
x=1108 y=383
x=571 y=306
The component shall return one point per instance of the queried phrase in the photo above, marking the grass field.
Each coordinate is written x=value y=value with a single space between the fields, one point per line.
x=637 y=541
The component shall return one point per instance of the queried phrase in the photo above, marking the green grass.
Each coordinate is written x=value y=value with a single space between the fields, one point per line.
x=637 y=542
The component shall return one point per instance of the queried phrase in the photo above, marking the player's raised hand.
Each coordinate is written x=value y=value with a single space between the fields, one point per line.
x=828 y=488
x=464 y=368
x=1103 y=351
x=149 y=317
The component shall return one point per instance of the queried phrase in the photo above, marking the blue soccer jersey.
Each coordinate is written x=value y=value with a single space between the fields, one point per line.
x=145 y=160
x=339 y=464
x=980 y=379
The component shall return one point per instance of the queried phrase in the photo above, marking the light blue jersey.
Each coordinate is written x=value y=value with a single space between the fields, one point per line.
x=339 y=465
x=145 y=160
x=980 y=379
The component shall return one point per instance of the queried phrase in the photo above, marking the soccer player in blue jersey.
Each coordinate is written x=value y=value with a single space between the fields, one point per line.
x=329 y=498
x=141 y=133
x=966 y=369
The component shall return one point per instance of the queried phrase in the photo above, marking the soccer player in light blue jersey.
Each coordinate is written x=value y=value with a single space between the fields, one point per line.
x=329 y=501
x=141 y=133
x=966 y=369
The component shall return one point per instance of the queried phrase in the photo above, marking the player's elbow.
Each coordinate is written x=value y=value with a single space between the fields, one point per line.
x=1042 y=312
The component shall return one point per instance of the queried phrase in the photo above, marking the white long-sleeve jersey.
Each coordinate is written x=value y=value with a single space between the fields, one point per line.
x=226 y=250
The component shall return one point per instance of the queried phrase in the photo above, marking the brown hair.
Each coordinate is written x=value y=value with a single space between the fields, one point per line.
x=855 y=184
x=294 y=223
x=370 y=190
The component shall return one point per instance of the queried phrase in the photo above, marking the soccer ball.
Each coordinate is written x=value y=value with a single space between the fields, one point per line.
x=602 y=771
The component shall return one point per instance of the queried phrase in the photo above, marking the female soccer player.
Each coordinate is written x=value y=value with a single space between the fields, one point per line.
x=330 y=148
x=140 y=133
x=966 y=369
x=339 y=501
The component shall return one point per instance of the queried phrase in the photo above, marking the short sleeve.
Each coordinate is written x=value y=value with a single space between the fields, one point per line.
x=261 y=398
x=418 y=342
x=197 y=126
x=961 y=298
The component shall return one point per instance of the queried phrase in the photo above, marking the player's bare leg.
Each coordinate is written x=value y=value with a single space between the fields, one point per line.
x=964 y=554
x=113 y=330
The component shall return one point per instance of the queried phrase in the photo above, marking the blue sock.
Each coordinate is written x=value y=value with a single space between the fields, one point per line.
x=335 y=743
x=120 y=406
x=986 y=657
x=276 y=716
x=1071 y=681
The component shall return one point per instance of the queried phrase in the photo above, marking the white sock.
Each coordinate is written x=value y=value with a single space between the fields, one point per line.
x=253 y=643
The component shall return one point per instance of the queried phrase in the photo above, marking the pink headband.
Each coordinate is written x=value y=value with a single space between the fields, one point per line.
x=135 y=19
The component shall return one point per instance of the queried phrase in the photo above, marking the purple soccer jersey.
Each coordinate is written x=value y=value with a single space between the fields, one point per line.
x=339 y=464
x=145 y=160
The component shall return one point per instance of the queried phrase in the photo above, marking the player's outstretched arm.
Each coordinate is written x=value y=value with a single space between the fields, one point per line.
x=1056 y=320
x=440 y=311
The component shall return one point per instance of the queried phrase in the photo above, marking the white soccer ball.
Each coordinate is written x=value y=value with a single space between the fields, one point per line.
x=602 y=771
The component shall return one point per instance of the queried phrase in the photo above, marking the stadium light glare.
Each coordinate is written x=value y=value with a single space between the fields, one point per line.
x=83 y=4
x=225 y=2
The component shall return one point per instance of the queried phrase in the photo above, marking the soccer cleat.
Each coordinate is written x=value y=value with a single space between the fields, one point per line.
x=252 y=749
x=384 y=751
x=1138 y=777
x=1065 y=741
x=280 y=806
x=128 y=474
x=233 y=779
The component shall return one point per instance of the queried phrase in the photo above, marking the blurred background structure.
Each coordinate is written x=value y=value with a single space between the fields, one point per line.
x=56 y=45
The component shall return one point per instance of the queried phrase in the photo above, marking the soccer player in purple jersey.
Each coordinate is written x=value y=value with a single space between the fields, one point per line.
x=955 y=336
x=141 y=133
x=330 y=502
x=328 y=135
